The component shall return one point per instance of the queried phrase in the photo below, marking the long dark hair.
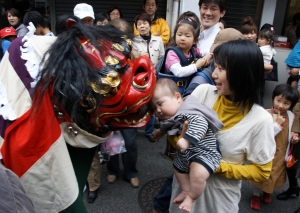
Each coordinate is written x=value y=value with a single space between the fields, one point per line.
x=243 y=62
x=68 y=68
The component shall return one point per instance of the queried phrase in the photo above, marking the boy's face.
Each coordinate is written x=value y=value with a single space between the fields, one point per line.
x=281 y=104
x=165 y=106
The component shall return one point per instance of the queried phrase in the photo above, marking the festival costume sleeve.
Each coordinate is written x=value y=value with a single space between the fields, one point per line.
x=254 y=172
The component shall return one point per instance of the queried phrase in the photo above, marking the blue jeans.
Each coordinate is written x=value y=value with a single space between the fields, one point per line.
x=150 y=126
x=161 y=202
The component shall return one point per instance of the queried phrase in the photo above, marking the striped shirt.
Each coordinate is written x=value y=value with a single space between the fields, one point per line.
x=203 y=148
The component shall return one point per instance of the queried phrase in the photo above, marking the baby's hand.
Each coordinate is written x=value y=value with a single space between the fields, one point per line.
x=183 y=144
x=157 y=135
x=279 y=119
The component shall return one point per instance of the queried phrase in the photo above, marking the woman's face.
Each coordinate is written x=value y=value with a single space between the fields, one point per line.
x=12 y=20
x=104 y=22
x=143 y=27
x=220 y=77
x=210 y=14
x=115 y=14
x=250 y=36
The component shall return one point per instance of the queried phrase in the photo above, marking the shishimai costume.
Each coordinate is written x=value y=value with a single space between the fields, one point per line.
x=57 y=97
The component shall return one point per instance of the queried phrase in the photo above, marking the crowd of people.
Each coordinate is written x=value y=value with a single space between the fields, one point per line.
x=208 y=100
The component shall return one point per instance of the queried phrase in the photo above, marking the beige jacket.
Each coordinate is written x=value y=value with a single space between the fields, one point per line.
x=156 y=47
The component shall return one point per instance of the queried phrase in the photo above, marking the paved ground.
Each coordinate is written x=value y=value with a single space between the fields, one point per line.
x=120 y=197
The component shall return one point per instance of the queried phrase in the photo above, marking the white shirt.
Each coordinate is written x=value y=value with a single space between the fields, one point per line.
x=267 y=52
x=207 y=38
x=251 y=139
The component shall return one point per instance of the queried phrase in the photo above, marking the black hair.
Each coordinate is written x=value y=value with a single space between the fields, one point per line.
x=244 y=65
x=101 y=17
x=249 y=26
x=296 y=18
x=193 y=26
x=14 y=12
x=145 y=1
x=267 y=34
x=268 y=26
x=143 y=17
x=290 y=93
x=222 y=3
x=71 y=68
x=188 y=14
x=114 y=8
x=298 y=32
x=61 y=23
x=223 y=22
x=36 y=18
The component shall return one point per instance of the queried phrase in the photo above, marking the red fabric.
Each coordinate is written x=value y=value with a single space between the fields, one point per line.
x=30 y=137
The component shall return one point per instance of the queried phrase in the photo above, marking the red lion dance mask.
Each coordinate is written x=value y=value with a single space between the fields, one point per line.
x=126 y=89
x=117 y=88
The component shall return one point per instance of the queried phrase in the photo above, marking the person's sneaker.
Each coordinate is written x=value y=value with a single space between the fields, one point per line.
x=255 y=202
x=135 y=182
x=267 y=198
x=111 y=178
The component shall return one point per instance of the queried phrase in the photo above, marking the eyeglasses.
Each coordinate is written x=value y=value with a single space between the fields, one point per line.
x=114 y=14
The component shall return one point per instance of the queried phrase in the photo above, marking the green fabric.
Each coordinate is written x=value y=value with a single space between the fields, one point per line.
x=82 y=160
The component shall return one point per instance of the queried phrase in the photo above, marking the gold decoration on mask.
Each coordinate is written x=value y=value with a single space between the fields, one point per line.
x=108 y=85
x=118 y=47
x=128 y=41
x=109 y=60
x=92 y=100
x=113 y=78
